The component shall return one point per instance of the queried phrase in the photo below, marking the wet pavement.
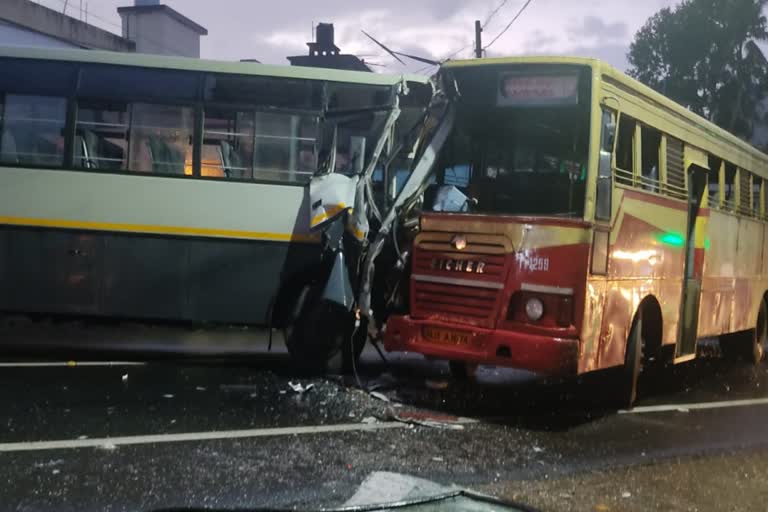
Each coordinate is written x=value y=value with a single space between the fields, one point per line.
x=169 y=430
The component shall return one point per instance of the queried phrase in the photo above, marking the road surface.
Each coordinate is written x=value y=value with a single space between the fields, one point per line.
x=95 y=430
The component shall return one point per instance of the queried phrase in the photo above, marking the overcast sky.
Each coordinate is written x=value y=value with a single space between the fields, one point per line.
x=270 y=30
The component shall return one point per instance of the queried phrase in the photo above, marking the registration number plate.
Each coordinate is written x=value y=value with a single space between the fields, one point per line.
x=445 y=336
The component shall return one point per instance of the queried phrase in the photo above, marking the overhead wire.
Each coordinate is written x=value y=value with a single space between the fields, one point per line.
x=522 y=9
x=488 y=19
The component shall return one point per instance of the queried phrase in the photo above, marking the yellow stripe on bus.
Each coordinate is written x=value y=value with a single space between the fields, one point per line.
x=165 y=230
x=330 y=212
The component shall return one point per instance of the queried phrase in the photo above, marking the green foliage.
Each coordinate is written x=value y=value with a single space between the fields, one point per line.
x=704 y=55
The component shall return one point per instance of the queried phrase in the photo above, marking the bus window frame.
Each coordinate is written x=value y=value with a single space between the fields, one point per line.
x=606 y=161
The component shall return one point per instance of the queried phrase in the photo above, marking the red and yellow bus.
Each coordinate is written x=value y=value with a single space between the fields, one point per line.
x=577 y=220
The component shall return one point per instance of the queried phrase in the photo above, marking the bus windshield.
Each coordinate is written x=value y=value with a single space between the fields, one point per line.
x=513 y=156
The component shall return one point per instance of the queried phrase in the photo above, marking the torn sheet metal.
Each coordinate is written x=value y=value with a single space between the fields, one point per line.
x=329 y=196
x=412 y=188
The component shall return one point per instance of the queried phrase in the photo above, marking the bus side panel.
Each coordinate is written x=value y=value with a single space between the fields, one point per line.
x=145 y=277
x=235 y=281
x=747 y=292
x=717 y=286
x=642 y=263
x=135 y=276
x=4 y=273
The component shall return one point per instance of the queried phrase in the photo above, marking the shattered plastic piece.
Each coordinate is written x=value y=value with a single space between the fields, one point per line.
x=369 y=420
x=55 y=471
x=168 y=395
x=626 y=494
x=438 y=459
x=299 y=388
x=538 y=449
x=124 y=378
x=200 y=388
x=683 y=409
x=82 y=437
x=427 y=421
x=379 y=396
x=108 y=446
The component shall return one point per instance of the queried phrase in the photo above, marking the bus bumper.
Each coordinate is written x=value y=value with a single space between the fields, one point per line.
x=542 y=354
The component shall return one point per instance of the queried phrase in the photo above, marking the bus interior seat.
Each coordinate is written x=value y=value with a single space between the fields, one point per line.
x=233 y=167
x=8 y=150
x=165 y=160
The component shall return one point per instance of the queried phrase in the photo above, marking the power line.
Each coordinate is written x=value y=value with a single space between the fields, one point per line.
x=525 y=5
x=493 y=13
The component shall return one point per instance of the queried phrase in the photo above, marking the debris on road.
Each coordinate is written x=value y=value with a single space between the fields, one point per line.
x=379 y=396
x=299 y=388
x=124 y=378
x=427 y=419
x=626 y=495
x=168 y=395
x=369 y=420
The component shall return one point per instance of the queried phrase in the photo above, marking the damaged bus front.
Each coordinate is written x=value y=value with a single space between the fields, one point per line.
x=496 y=219
x=368 y=136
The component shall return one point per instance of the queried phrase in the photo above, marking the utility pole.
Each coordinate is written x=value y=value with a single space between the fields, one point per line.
x=478 y=40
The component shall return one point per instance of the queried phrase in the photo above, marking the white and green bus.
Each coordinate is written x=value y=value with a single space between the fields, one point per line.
x=171 y=189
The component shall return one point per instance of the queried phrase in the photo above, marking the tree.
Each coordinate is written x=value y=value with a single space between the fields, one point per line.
x=704 y=54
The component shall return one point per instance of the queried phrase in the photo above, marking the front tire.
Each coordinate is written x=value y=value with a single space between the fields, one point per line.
x=322 y=337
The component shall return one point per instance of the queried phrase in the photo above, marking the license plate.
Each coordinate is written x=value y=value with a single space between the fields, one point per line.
x=445 y=336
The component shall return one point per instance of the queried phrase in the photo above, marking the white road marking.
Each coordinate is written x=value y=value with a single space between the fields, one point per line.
x=194 y=436
x=46 y=364
x=696 y=406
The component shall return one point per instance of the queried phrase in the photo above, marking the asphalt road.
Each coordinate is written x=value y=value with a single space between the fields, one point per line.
x=80 y=430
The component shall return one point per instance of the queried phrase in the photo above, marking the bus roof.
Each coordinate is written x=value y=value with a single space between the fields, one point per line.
x=210 y=66
x=605 y=70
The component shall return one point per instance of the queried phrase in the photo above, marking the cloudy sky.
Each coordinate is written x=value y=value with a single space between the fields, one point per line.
x=269 y=30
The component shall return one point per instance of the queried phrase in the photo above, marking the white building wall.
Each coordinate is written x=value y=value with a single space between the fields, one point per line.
x=14 y=35
x=161 y=35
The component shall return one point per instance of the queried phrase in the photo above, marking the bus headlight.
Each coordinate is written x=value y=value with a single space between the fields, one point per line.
x=534 y=308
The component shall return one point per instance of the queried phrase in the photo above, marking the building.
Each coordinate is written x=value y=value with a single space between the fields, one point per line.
x=156 y=28
x=147 y=27
x=323 y=53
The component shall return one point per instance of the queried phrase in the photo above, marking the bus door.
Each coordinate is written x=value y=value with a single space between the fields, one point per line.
x=689 y=311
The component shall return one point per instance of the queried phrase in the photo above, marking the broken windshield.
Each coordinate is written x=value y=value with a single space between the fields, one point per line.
x=510 y=153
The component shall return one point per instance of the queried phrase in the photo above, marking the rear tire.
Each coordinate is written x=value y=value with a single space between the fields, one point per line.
x=628 y=376
x=749 y=345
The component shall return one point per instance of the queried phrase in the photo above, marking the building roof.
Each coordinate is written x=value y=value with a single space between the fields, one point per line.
x=211 y=66
x=146 y=9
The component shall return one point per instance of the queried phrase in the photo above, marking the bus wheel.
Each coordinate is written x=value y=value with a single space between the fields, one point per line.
x=629 y=374
x=461 y=370
x=321 y=337
x=749 y=345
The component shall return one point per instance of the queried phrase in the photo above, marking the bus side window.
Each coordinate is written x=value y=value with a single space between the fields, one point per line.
x=32 y=130
x=625 y=150
x=729 y=201
x=757 y=186
x=285 y=147
x=101 y=135
x=713 y=181
x=604 y=181
x=227 y=150
x=161 y=139
x=651 y=141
